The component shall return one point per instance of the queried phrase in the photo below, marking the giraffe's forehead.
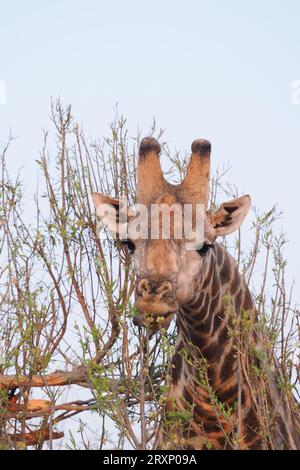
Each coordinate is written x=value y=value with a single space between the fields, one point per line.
x=169 y=218
x=168 y=198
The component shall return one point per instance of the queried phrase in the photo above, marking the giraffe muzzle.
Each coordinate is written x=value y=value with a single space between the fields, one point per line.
x=156 y=303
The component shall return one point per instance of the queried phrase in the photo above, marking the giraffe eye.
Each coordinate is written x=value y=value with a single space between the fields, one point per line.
x=204 y=249
x=130 y=246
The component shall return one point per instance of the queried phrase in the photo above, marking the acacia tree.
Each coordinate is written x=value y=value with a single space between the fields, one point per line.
x=67 y=302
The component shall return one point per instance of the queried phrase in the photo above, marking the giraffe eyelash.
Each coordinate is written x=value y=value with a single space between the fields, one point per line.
x=130 y=246
x=204 y=249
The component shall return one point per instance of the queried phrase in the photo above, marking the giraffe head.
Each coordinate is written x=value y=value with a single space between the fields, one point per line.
x=169 y=269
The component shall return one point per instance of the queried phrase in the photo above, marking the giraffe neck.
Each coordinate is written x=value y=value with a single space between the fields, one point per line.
x=205 y=366
x=204 y=323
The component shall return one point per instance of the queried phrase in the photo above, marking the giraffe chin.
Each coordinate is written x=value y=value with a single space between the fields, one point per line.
x=153 y=311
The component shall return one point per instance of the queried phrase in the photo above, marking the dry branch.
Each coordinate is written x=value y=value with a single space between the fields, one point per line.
x=35 y=437
x=77 y=376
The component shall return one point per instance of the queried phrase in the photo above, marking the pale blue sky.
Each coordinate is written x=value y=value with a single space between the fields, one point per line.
x=222 y=70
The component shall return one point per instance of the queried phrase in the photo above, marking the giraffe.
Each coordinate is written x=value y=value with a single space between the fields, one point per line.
x=205 y=291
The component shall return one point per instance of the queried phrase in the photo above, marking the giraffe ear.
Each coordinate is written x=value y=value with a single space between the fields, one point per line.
x=112 y=212
x=230 y=215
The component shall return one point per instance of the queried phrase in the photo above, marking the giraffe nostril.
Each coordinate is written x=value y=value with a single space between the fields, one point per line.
x=144 y=287
x=165 y=288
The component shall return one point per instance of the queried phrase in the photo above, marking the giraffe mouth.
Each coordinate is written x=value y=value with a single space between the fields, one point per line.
x=154 y=314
